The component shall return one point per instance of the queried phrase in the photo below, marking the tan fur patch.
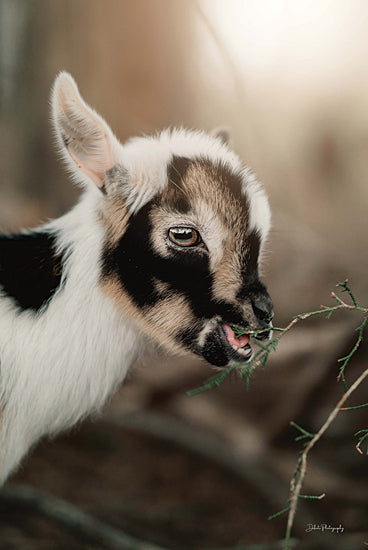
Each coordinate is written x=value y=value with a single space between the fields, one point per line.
x=115 y=218
x=169 y=314
x=161 y=286
x=227 y=277
x=160 y=321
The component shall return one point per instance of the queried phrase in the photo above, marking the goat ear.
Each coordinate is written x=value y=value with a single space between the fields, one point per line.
x=86 y=141
x=223 y=134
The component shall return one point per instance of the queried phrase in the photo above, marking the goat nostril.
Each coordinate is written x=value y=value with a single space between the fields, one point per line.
x=262 y=308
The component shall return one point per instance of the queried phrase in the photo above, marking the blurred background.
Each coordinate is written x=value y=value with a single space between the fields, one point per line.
x=290 y=80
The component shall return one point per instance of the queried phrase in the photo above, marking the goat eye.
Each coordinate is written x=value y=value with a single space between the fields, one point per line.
x=184 y=236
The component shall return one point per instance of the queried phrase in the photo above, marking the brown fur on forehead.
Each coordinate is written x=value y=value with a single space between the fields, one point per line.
x=158 y=322
x=211 y=194
x=194 y=182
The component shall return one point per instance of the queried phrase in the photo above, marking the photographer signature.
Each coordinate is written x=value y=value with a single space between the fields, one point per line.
x=324 y=527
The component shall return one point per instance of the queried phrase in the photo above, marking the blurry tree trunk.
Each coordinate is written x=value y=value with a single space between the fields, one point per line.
x=130 y=59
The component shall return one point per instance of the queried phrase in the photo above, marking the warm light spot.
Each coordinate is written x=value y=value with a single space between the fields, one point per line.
x=297 y=38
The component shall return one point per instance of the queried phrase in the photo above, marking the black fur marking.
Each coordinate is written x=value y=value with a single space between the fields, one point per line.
x=214 y=349
x=131 y=260
x=30 y=269
x=186 y=272
x=137 y=265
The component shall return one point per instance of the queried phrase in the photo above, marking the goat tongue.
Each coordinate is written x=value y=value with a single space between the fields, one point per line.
x=239 y=342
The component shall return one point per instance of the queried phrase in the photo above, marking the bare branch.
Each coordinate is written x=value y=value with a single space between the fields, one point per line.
x=302 y=464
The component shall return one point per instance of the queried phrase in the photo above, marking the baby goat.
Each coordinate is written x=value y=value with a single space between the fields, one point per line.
x=162 y=248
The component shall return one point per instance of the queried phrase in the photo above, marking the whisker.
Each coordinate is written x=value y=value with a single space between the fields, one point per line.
x=181 y=181
x=177 y=186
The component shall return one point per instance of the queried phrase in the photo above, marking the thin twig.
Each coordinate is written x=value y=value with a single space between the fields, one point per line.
x=361 y=440
x=261 y=357
x=300 y=471
x=302 y=464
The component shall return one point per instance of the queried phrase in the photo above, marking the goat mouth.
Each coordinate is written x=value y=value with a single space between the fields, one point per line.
x=239 y=344
x=221 y=347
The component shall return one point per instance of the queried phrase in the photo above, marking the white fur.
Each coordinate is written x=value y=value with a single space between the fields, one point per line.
x=260 y=213
x=60 y=365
